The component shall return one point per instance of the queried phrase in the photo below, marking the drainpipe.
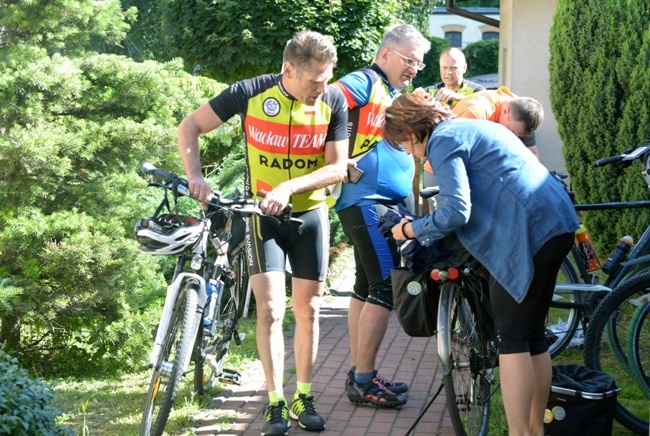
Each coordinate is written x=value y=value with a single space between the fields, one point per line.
x=471 y=15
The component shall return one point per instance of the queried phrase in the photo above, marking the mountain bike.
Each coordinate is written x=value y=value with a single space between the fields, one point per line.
x=202 y=305
x=578 y=291
x=615 y=328
x=467 y=348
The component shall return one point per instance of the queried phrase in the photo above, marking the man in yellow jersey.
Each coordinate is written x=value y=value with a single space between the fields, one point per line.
x=453 y=88
x=295 y=127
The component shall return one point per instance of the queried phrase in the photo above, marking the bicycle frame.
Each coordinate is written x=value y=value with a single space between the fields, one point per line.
x=172 y=294
x=634 y=258
x=628 y=267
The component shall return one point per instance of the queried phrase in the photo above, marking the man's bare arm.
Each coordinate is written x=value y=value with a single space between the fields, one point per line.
x=197 y=123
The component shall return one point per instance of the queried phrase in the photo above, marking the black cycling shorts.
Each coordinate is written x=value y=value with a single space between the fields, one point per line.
x=521 y=327
x=270 y=244
x=374 y=255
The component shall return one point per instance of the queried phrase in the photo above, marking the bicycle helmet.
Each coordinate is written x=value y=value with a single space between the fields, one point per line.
x=167 y=234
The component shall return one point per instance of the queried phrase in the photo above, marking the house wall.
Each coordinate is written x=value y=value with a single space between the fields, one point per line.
x=523 y=67
x=472 y=31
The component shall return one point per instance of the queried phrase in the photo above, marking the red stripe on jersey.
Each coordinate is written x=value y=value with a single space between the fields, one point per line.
x=270 y=137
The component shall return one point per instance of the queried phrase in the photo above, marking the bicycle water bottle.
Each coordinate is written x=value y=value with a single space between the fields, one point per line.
x=618 y=254
x=587 y=249
x=213 y=295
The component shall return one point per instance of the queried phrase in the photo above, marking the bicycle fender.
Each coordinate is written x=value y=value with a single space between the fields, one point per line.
x=444 y=321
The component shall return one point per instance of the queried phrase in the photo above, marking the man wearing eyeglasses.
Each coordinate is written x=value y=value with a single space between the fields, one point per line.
x=380 y=179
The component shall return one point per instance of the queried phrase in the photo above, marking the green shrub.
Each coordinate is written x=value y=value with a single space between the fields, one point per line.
x=431 y=73
x=482 y=57
x=27 y=405
x=599 y=88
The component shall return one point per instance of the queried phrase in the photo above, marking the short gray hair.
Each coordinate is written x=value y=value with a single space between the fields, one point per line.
x=397 y=34
x=307 y=46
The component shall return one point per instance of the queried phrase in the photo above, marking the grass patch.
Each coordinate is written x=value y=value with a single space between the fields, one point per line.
x=114 y=405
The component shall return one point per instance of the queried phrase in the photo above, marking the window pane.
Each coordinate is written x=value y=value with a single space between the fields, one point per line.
x=490 y=35
x=455 y=38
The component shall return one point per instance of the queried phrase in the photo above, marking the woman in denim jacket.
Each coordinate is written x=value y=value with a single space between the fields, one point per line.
x=512 y=216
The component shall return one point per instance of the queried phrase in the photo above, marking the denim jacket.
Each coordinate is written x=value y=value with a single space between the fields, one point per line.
x=501 y=202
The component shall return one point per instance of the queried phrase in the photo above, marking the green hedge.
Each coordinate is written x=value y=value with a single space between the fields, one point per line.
x=600 y=95
x=27 y=405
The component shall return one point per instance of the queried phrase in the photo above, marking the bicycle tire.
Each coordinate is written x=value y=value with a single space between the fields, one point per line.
x=562 y=322
x=612 y=318
x=206 y=372
x=169 y=369
x=240 y=273
x=204 y=377
x=226 y=326
x=638 y=347
x=466 y=383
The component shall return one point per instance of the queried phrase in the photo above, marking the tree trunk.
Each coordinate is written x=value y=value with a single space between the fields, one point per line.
x=10 y=331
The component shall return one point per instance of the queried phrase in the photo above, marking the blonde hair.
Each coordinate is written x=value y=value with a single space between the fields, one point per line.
x=307 y=46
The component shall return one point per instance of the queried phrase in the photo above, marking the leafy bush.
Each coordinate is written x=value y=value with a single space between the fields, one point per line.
x=599 y=92
x=27 y=405
x=431 y=73
x=482 y=57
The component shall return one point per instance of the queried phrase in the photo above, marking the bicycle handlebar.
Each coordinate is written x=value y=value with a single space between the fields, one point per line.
x=627 y=157
x=244 y=206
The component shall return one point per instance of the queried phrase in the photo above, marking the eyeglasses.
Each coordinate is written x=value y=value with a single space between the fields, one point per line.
x=410 y=61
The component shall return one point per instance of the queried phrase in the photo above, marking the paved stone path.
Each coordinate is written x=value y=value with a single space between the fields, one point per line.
x=402 y=358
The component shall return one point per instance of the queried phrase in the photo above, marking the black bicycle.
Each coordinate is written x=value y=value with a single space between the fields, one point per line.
x=613 y=331
x=204 y=298
x=578 y=291
x=467 y=348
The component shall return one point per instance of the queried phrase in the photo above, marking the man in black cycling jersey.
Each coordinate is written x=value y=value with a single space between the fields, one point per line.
x=295 y=127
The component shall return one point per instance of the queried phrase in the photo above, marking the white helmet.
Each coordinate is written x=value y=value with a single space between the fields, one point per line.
x=167 y=234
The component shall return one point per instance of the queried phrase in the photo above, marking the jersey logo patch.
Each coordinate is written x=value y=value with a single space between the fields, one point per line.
x=271 y=107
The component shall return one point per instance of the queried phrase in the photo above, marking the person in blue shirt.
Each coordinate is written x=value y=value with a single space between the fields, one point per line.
x=512 y=216
x=385 y=182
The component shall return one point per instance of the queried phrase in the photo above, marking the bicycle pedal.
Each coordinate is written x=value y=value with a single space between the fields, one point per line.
x=228 y=376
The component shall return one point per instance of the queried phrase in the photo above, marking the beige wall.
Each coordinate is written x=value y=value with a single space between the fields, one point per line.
x=523 y=65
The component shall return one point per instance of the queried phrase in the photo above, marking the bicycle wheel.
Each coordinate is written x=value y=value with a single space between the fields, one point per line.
x=469 y=378
x=607 y=335
x=240 y=273
x=169 y=369
x=638 y=347
x=563 y=317
x=212 y=356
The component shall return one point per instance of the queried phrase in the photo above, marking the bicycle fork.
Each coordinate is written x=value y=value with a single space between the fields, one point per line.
x=170 y=300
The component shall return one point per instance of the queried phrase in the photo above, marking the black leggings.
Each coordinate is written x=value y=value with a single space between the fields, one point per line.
x=520 y=327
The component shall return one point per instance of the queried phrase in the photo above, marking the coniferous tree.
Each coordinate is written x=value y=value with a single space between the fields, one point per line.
x=598 y=85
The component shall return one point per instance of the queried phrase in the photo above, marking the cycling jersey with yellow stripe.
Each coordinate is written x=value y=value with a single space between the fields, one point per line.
x=285 y=138
x=367 y=107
